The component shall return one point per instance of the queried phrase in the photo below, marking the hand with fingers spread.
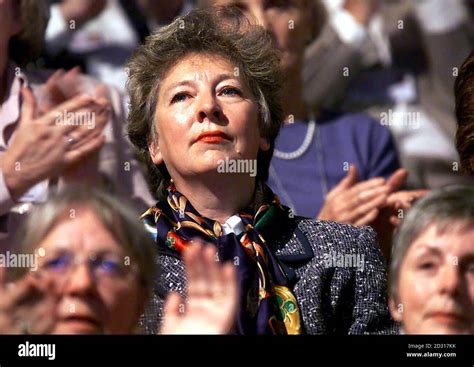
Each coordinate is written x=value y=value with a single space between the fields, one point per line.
x=375 y=202
x=391 y=215
x=44 y=146
x=212 y=296
x=27 y=305
x=61 y=87
x=388 y=219
x=64 y=85
x=355 y=202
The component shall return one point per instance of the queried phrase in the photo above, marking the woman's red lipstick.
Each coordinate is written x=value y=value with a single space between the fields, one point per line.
x=213 y=137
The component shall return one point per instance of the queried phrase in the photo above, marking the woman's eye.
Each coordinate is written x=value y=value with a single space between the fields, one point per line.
x=180 y=97
x=57 y=263
x=108 y=266
x=231 y=92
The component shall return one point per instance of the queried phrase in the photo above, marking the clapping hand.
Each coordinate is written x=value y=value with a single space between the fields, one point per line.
x=212 y=296
x=27 y=305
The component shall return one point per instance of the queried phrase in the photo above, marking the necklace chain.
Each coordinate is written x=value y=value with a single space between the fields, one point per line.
x=308 y=139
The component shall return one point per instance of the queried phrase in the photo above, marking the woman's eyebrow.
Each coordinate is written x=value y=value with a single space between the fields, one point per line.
x=189 y=83
x=220 y=78
x=192 y=83
x=55 y=248
x=425 y=248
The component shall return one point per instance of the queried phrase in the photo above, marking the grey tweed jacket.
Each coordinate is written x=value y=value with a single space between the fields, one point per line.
x=334 y=297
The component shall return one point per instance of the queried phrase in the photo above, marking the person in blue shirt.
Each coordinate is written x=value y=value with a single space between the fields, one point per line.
x=342 y=149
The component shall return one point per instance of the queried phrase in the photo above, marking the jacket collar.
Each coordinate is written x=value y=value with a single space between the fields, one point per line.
x=295 y=256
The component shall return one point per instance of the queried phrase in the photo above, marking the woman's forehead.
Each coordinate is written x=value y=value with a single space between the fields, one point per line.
x=201 y=65
x=453 y=238
x=82 y=231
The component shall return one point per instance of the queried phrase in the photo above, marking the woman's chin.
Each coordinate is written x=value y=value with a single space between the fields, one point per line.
x=444 y=329
x=213 y=161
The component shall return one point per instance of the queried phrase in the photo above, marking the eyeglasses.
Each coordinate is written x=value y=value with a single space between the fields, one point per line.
x=103 y=266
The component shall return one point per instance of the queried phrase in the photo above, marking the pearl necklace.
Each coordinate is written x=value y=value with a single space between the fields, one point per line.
x=308 y=139
x=312 y=128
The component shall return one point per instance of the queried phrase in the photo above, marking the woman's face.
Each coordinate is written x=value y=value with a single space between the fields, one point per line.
x=205 y=113
x=436 y=283
x=288 y=22
x=99 y=291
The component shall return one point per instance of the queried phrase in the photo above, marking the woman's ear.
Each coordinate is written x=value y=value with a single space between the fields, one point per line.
x=264 y=144
x=396 y=310
x=155 y=153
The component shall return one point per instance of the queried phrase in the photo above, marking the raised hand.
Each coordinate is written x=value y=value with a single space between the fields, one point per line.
x=375 y=202
x=391 y=216
x=353 y=202
x=62 y=86
x=212 y=296
x=43 y=147
x=27 y=305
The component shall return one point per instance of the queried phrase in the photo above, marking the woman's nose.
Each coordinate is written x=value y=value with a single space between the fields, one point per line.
x=450 y=278
x=209 y=109
x=80 y=280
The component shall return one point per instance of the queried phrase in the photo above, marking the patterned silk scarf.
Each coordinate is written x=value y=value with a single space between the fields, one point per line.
x=267 y=304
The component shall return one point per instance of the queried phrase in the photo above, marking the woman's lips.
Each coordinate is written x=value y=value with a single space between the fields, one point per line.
x=212 y=137
x=447 y=317
x=80 y=324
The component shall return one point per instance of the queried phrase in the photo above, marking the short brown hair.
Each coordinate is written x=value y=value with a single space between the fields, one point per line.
x=219 y=31
x=464 y=96
x=28 y=43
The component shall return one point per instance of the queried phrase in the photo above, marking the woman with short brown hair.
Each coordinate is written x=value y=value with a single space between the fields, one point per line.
x=204 y=108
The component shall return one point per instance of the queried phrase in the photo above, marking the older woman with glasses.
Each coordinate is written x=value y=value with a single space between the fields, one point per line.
x=92 y=272
x=432 y=272
x=205 y=110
